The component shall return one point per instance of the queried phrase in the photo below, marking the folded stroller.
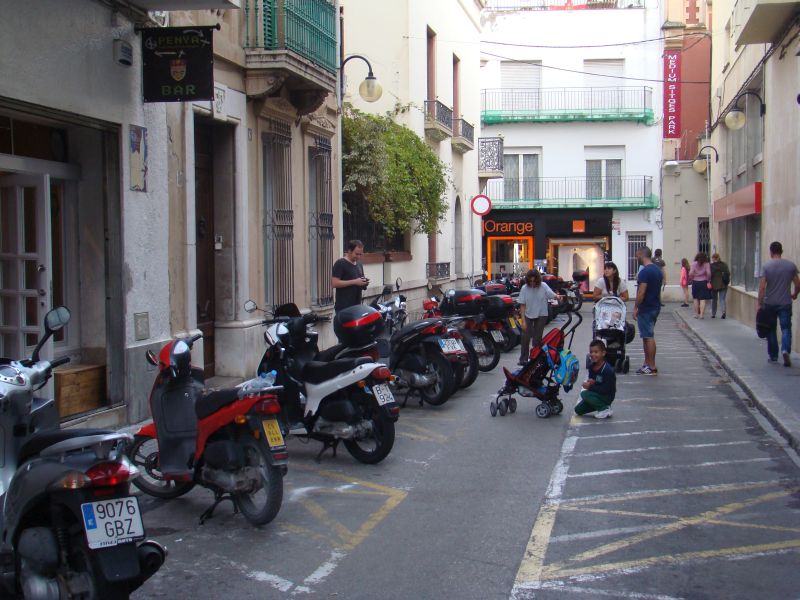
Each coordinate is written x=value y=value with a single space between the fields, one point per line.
x=550 y=367
x=611 y=327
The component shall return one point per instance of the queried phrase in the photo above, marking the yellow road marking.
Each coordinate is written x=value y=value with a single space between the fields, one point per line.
x=624 y=513
x=308 y=532
x=322 y=515
x=415 y=436
x=427 y=432
x=532 y=566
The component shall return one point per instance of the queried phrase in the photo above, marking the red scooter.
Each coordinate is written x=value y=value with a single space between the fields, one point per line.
x=227 y=440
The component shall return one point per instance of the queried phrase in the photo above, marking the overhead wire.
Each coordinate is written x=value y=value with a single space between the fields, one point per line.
x=612 y=45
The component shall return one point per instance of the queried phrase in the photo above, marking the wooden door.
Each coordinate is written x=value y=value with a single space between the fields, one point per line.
x=204 y=221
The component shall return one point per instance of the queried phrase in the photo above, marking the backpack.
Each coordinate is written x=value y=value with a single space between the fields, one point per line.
x=565 y=373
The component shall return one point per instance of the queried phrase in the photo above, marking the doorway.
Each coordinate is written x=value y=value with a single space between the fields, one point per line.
x=514 y=254
x=204 y=235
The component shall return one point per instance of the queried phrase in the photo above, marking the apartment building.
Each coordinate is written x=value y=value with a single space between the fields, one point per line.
x=575 y=94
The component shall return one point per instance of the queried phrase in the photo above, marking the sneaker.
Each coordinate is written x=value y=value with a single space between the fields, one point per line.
x=772 y=360
x=684 y=305
x=713 y=316
x=723 y=316
x=645 y=370
x=787 y=362
x=603 y=414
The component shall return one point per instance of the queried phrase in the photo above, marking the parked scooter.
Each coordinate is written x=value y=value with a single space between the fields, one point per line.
x=69 y=524
x=324 y=399
x=226 y=440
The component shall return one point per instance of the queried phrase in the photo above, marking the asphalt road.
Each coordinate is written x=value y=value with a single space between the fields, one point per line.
x=681 y=494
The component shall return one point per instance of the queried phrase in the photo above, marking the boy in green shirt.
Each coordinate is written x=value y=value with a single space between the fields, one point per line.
x=601 y=386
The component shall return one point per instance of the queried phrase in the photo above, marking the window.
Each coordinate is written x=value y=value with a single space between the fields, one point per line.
x=604 y=178
x=703 y=236
x=604 y=78
x=635 y=241
x=320 y=222
x=521 y=83
x=521 y=176
x=278 y=223
x=358 y=225
x=743 y=237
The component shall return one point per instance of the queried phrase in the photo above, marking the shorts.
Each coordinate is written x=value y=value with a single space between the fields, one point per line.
x=647 y=323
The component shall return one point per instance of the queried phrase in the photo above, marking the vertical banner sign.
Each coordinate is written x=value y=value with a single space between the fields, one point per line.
x=178 y=64
x=672 y=94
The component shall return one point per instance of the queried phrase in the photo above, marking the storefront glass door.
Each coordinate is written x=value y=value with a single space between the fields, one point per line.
x=508 y=254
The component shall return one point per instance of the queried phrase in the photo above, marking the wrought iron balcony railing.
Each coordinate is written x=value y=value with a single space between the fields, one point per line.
x=436 y=111
x=306 y=27
x=573 y=192
x=463 y=129
x=440 y=270
x=490 y=156
x=503 y=5
x=549 y=105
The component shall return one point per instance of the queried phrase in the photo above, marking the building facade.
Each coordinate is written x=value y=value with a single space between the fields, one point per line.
x=426 y=56
x=576 y=98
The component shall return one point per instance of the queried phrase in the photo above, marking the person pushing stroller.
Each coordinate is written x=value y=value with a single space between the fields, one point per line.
x=600 y=388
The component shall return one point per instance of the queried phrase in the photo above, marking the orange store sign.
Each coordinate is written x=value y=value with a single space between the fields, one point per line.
x=491 y=227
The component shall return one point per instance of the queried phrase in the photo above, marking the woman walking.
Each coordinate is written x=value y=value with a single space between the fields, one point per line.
x=533 y=298
x=610 y=284
x=700 y=278
x=720 y=278
x=685 y=281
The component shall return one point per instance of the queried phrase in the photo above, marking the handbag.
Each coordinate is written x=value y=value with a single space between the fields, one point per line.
x=766 y=321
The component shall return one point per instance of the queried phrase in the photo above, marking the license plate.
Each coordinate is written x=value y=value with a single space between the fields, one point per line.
x=478 y=344
x=497 y=336
x=512 y=321
x=382 y=393
x=450 y=346
x=111 y=522
x=273 y=433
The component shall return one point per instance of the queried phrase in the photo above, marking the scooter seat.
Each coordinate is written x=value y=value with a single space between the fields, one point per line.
x=211 y=402
x=413 y=328
x=44 y=439
x=317 y=372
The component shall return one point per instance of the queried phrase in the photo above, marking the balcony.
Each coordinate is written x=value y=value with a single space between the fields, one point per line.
x=463 y=139
x=439 y=270
x=291 y=44
x=438 y=120
x=490 y=157
x=763 y=20
x=148 y=5
x=512 y=5
x=560 y=105
x=573 y=192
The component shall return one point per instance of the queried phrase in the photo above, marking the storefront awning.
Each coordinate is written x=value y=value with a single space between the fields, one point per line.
x=741 y=203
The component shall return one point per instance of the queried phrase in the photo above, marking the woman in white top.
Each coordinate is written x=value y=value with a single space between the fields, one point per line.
x=533 y=303
x=610 y=284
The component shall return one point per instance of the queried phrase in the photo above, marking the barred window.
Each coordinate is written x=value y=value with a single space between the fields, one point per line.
x=278 y=223
x=635 y=241
x=320 y=222
x=358 y=225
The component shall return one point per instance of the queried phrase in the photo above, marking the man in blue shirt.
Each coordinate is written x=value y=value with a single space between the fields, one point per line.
x=648 y=305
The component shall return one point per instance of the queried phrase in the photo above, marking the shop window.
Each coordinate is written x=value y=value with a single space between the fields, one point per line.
x=320 y=224
x=744 y=249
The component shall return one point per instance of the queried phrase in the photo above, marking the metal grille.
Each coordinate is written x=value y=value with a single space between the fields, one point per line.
x=320 y=222
x=703 y=236
x=278 y=223
x=490 y=154
x=358 y=225
x=436 y=111
x=439 y=270
x=562 y=192
x=635 y=241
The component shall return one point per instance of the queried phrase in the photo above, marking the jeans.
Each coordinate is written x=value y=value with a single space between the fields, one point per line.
x=783 y=312
x=722 y=295
x=647 y=323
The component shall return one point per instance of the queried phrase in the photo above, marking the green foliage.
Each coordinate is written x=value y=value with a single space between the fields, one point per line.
x=400 y=177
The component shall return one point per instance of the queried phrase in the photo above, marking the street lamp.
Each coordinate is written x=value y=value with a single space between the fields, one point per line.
x=369 y=89
x=700 y=164
x=736 y=118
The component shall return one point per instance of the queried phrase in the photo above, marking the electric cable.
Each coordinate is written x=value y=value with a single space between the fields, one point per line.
x=615 y=44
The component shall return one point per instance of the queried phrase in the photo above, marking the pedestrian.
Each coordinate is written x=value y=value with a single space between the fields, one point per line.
x=777 y=276
x=700 y=278
x=658 y=261
x=610 y=284
x=720 y=278
x=600 y=387
x=685 y=282
x=348 y=276
x=533 y=306
x=648 y=305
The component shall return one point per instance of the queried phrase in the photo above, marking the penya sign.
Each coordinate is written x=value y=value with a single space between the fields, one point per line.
x=178 y=64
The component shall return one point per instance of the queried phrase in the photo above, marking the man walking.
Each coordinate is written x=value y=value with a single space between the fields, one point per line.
x=648 y=305
x=348 y=276
x=774 y=295
x=659 y=261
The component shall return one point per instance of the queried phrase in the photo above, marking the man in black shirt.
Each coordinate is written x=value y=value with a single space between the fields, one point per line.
x=348 y=276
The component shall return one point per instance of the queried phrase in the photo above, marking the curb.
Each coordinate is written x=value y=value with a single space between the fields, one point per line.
x=768 y=404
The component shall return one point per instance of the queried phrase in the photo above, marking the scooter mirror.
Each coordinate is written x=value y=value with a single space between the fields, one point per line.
x=387 y=289
x=151 y=358
x=250 y=306
x=56 y=319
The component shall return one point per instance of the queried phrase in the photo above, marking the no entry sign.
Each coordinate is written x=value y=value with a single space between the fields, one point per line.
x=481 y=205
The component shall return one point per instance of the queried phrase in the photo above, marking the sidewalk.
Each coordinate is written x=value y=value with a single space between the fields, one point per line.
x=774 y=389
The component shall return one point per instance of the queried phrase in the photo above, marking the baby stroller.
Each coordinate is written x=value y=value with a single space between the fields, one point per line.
x=611 y=327
x=549 y=368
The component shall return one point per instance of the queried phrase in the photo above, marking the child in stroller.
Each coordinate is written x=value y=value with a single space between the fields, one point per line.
x=549 y=368
x=610 y=326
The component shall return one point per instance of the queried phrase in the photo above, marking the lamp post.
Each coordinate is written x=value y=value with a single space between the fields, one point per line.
x=369 y=89
x=700 y=164
x=736 y=118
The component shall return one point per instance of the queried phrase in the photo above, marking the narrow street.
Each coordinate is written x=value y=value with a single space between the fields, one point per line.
x=682 y=494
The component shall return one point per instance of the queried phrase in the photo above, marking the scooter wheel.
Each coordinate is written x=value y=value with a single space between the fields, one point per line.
x=543 y=410
x=493 y=408
x=144 y=454
x=512 y=405
x=502 y=408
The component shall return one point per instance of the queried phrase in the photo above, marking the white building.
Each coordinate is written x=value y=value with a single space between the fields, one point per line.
x=582 y=134
x=426 y=56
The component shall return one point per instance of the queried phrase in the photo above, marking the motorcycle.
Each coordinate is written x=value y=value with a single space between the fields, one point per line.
x=70 y=528
x=226 y=440
x=324 y=399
